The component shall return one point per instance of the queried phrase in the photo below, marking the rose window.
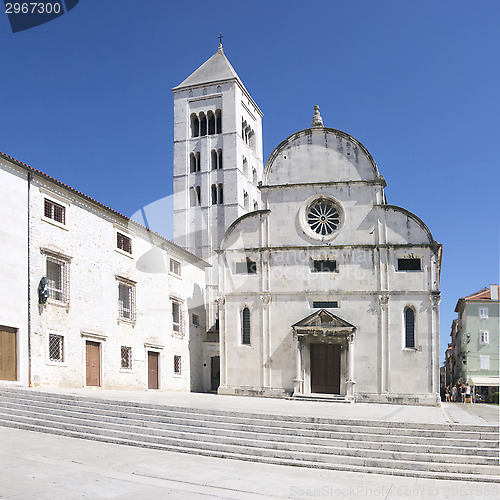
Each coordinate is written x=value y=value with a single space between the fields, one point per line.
x=323 y=216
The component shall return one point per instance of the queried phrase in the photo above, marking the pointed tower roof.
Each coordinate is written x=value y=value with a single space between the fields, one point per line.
x=216 y=69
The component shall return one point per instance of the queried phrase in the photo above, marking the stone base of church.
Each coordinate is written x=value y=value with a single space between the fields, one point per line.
x=400 y=399
x=264 y=392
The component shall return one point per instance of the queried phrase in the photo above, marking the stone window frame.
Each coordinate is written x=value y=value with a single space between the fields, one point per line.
x=64 y=262
x=126 y=234
x=405 y=333
x=484 y=362
x=129 y=358
x=303 y=211
x=178 y=372
x=484 y=312
x=175 y=267
x=399 y=257
x=181 y=331
x=49 y=197
x=131 y=286
x=484 y=337
x=245 y=307
x=51 y=335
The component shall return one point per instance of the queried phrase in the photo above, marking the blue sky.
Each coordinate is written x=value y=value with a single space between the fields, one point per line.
x=86 y=98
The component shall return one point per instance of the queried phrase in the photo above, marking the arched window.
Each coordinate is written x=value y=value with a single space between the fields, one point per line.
x=218 y=121
x=211 y=123
x=245 y=200
x=255 y=205
x=203 y=124
x=198 y=159
x=409 y=327
x=245 y=167
x=221 y=194
x=214 y=159
x=195 y=126
x=254 y=177
x=245 y=326
x=192 y=163
x=198 y=194
x=219 y=154
x=214 y=194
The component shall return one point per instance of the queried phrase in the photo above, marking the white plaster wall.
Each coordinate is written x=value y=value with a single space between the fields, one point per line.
x=14 y=260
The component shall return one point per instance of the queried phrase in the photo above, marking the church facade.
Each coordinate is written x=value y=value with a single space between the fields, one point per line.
x=318 y=287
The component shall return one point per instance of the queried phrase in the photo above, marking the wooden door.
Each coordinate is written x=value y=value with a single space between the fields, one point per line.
x=325 y=368
x=215 y=373
x=8 y=353
x=153 y=358
x=93 y=362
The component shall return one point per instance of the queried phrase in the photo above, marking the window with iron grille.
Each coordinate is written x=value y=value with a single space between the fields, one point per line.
x=177 y=316
x=56 y=348
x=126 y=358
x=57 y=271
x=245 y=326
x=175 y=267
x=177 y=365
x=55 y=211
x=123 y=243
x=126 y=301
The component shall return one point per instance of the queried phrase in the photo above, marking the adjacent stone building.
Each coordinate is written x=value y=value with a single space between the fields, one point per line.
x=323 y=287
x=89 y=297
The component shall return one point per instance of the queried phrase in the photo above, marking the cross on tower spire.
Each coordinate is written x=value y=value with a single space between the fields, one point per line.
x=220 y=37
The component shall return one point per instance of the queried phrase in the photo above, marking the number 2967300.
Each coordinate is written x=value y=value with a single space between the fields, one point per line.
x=33 y=8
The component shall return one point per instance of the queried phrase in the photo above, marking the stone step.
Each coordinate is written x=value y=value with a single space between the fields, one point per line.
x=488 y=432
x=284 y=457
x=423 y=450
x=362 y=441
x=367 y=449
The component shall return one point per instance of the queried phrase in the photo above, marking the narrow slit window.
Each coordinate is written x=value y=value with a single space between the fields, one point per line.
x=409 y=328
x=245 y=326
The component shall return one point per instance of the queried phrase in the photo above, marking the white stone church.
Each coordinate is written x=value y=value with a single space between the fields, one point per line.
x=317 y=285
x=293 y=278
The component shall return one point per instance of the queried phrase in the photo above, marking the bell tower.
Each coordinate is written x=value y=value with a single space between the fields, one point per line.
x=217 y=161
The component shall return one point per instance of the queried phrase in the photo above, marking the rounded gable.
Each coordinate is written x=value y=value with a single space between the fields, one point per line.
x=319 y=154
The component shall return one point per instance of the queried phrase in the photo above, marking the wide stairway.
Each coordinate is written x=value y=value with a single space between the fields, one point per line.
x=419 y=450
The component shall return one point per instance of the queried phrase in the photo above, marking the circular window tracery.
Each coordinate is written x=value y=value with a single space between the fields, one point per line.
x=323 y=216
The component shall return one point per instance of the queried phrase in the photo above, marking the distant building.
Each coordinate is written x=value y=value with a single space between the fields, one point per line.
x=475 y=345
